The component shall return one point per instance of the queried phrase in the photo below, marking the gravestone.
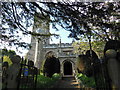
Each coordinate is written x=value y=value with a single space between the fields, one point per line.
x=84 y=65
x=12 y=72
x=113 y=67
x=4 y=74
x=112 y=63
x=90 y=65
x=112 y=44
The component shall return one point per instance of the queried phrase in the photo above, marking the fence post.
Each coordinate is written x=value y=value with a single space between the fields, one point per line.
x=19 y=74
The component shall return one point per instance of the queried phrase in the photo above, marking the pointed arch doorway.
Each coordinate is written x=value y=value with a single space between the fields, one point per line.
x=68 y=70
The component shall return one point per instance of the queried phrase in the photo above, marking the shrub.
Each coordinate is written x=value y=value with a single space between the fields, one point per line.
x=46 y=82
x=87 y=81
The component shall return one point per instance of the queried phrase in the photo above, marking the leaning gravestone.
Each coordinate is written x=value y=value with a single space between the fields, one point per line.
x=13 y=71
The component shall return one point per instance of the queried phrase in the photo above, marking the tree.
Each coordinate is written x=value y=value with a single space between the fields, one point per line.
x=82 y=46
x=88 y=18
x=6 y=54
x=51 y=66
x=17 y=17
x=97 y=19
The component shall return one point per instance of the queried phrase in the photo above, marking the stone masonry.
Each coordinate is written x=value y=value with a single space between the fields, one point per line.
x=41 y=46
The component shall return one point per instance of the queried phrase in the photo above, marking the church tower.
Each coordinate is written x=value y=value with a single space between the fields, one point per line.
x=41 y=26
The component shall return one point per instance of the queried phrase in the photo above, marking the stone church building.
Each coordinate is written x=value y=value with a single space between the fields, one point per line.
x=41 y=47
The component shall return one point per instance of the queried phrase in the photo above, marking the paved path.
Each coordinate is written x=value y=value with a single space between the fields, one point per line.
x=67 y=82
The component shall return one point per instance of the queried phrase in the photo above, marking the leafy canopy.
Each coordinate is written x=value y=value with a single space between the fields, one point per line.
x=101 y=20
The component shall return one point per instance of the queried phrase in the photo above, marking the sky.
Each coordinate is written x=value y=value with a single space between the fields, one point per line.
x=53 y=40
x=63 y=35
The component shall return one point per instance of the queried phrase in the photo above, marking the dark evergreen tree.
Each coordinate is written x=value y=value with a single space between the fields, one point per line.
x=51 y=66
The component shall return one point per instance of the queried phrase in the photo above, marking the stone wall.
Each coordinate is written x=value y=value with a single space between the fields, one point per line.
x=36 y=52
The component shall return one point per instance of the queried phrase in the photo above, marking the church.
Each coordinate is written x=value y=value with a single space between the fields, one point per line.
x=40 y=47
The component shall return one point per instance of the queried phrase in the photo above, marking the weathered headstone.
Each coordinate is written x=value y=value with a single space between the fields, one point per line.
x=113 y=67
x=90 y=65
x=84 y=65
x=12 y=72
x=4 y=74
x=112 y=62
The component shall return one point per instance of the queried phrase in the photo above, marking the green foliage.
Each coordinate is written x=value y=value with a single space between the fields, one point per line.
x=8 y=52
x=98 y=47
x=81 y=47
x=46 y=82
x=80 y=18
x=7 y=59
x=87 y=81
